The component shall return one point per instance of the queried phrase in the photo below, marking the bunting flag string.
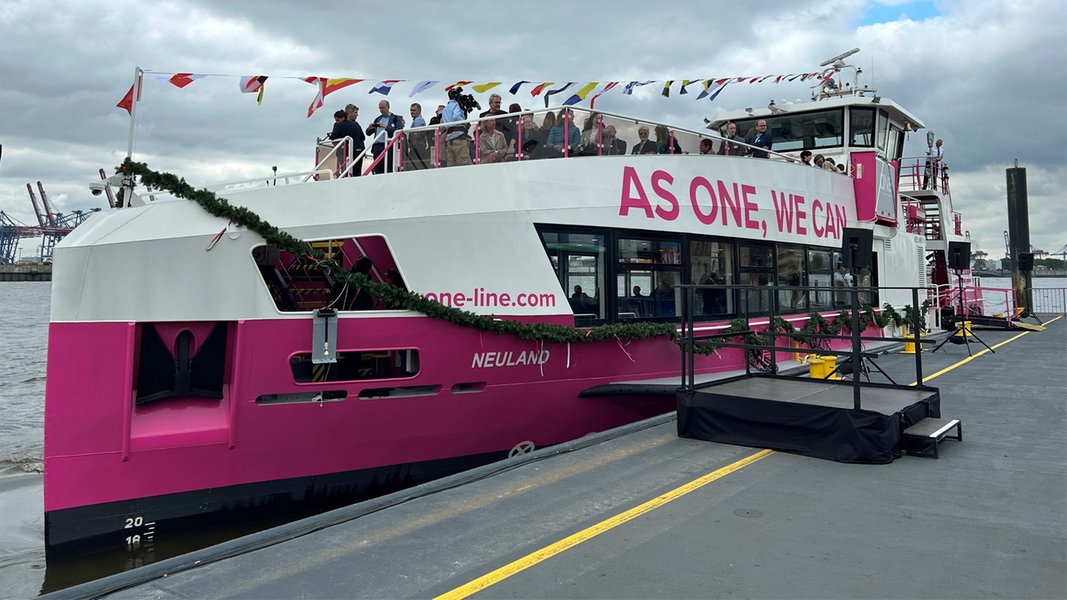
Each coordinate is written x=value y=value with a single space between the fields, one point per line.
x=256 y=84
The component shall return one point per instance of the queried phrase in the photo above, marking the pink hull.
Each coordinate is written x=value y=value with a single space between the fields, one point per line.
x=100 y=447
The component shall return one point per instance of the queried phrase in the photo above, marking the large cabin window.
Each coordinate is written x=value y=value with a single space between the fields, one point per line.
x=792 y=273
x=711 y=263
x=820 y=275
x=657 y=263
x=579 y=260
x=756 y=266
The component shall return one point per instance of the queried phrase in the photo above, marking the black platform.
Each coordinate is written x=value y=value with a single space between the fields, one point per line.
x=811 y=417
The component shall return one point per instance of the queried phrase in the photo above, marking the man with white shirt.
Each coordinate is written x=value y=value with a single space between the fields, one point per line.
x=934 y=158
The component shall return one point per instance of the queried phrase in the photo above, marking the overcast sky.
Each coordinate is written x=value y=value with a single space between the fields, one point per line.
x=987 y=76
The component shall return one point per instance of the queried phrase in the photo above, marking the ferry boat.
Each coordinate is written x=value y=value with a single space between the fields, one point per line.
x=201 y=372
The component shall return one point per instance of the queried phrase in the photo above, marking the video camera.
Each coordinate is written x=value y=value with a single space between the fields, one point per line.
x=465 y=101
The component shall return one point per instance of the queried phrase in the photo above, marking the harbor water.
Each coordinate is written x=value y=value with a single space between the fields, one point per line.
x=24 y=573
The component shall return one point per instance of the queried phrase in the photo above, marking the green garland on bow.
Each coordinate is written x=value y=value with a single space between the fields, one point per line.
x=412 y=301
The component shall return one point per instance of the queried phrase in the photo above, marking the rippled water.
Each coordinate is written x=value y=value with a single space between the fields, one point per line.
x=24 y=342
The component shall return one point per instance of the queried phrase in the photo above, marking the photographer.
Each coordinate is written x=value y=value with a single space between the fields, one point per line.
x=457 y=142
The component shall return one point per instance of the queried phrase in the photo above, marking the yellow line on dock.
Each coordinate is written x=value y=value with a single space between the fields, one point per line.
x=974 y=356
x=547 y=552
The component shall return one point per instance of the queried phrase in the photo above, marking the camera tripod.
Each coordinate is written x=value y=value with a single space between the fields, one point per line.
x=962 y=330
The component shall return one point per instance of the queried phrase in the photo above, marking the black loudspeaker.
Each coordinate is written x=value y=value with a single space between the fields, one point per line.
x=959 y=256
x=1026 y=261
x=857 y=246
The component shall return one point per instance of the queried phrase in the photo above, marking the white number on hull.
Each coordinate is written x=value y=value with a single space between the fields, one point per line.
x=136 y=539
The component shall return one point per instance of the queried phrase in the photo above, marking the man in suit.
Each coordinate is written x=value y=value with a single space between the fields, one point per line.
x=761 y=138
x=612 y=145
x=644 y=145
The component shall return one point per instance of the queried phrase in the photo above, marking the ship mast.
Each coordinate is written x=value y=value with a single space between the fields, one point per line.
x=137 y=73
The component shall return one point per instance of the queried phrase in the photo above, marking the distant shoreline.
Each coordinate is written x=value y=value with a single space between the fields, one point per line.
x=26 y=272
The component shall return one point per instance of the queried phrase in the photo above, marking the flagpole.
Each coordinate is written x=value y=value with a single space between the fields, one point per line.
x=137 y=72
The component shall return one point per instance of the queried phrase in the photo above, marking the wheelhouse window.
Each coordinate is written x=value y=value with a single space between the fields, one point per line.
x=861 y=127
x=797 y=131
x=882 y=132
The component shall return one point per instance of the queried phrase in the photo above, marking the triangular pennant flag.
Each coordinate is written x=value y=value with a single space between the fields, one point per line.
x=421 y=86
x=127 y=100
x=332 y=85
x=667 y=88
x=326 y=87
x=630 y=86
x=722 y=81
x=515 y=88
x=384 y=87
x=685 y=82
x=253 y=83
x=316 y=103
x=707 y=83
x=482 y=88
x=183 y=79
x=458 y=83
x=557 y=90
x=540 y=88
x=581 y=94
x=715 y=94
x=765 y=78
x=607 y=87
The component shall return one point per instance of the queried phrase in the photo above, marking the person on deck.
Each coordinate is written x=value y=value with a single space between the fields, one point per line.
x=457 y=143
x=344 y=127
x=731 y=142
x=381 y=129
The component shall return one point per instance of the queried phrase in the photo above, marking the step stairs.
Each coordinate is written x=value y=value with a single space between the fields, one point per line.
x=922 y=438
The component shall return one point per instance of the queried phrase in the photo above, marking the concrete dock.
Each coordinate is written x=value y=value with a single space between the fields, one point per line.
x=642 y=513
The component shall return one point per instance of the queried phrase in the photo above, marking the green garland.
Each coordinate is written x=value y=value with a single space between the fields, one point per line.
x=412 y=301
x=391 y=295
